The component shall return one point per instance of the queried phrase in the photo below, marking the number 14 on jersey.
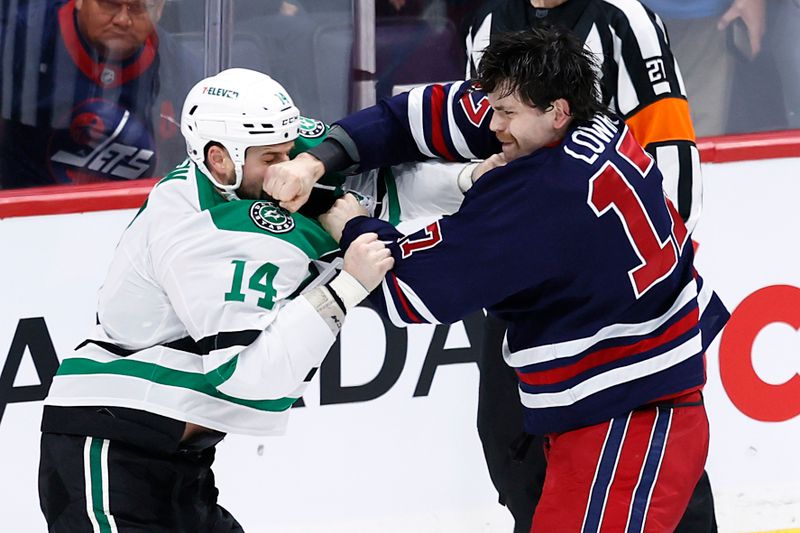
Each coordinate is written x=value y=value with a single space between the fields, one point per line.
x=260 y=282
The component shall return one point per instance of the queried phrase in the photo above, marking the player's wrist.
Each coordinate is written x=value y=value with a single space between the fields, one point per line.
x=338 y=152
x=315 y=167
x=323 y=302
x=348 y=289
x=334 y=299
x=465 y=180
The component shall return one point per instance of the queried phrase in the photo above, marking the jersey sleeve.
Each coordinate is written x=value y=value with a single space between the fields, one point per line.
x=425 y=191
x=448 y=122
x=414 y=193
x=651 y=97
x=457 y=264
x=233 y=291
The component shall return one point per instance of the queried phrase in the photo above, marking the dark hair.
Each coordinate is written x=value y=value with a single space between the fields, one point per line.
x=541 y=65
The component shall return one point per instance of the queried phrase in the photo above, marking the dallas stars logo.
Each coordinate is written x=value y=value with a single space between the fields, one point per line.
x=271 y=217
x=310 y=128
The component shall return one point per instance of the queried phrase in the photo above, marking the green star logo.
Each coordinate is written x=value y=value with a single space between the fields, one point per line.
x=271 y=217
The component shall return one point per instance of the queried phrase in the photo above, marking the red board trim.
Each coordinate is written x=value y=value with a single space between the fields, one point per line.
x=750 y=146
x=61 y=199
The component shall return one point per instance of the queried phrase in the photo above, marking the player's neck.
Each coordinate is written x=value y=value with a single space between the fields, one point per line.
x=546 y=4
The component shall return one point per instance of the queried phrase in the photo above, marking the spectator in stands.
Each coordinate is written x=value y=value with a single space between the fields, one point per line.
x=706 y=37
x=641 y=82
x=90 y=91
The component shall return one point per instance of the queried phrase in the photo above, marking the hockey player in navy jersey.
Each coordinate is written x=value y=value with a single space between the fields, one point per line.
x=572 y=241
x=91 y=91
x=641 y=82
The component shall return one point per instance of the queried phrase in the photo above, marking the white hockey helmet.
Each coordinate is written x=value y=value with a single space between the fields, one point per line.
x=237 y=108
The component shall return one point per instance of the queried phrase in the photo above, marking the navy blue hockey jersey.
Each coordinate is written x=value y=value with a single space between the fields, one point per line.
x=576 y=246
x=68 y=116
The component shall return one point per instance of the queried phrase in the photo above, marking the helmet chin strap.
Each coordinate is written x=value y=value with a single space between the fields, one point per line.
x=228 y=191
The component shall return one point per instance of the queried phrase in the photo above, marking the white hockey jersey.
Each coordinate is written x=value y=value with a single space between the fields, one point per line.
x=196 y=318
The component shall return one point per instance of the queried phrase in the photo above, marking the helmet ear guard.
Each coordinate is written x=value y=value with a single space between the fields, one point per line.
x=237 y=108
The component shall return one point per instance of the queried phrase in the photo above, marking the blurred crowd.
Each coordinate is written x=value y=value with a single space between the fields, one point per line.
x=90 y=89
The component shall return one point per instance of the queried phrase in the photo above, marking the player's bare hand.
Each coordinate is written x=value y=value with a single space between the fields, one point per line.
x=290 y=182
x=497 y=160
x=368 y=260
x=343 y=210
x=753 y=14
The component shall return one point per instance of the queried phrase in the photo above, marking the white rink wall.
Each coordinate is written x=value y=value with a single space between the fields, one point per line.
x=386 y=441
x=748 y=249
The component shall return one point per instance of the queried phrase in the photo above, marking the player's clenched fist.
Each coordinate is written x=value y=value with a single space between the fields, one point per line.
x=497 y=160
x=344 y=209
x=368 y=260
x=290 y=182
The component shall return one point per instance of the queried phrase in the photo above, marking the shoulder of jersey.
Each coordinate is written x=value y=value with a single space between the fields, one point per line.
x=253 y=217
x=311 y=128
x=167 y=196
x=268 y=219
x=312 y=132
x=257 y=216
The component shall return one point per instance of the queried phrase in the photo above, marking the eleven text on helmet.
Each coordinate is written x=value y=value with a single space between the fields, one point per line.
x=217 y=91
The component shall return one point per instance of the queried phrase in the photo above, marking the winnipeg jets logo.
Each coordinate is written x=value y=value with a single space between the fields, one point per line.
x=270 y=217
x=475 y=111
x=94 y=146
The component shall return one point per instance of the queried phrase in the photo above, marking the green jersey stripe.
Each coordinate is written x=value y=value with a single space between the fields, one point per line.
x=223 y=372
x=96 y=468
x=197 y=382
x=392 y=197
x=181 y=172
x=306 y=235
x=207 y=196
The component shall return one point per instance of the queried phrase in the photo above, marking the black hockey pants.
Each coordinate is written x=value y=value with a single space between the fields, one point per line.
x=89 y=484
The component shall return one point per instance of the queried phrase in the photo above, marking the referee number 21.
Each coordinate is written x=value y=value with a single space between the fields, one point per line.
x=261 y=281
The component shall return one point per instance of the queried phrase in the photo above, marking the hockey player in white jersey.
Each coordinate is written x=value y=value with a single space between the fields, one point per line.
x=206 y=324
